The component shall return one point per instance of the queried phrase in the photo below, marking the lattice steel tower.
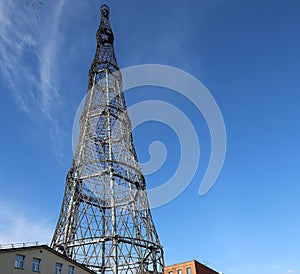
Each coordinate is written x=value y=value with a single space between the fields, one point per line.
x=105 y=221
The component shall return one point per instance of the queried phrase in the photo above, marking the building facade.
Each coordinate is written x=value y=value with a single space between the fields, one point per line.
x=190 y=267
x=38 y=259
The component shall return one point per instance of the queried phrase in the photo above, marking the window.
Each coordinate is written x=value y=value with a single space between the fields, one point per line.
x=19 y=262
x=170 y=272
x=71 y=269
x=188 y=270
x=58 y=268
x=179 y=271
x=36 y=264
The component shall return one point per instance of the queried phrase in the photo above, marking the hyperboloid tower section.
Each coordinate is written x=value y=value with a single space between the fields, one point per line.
x=105 y=221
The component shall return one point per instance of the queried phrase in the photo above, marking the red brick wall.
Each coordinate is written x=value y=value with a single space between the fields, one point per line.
x=196 y=268
x=202 y=269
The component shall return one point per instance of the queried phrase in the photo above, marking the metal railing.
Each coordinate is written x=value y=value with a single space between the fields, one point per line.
x=18 y=245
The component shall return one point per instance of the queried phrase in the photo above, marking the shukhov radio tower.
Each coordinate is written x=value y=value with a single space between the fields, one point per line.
x=105 y=221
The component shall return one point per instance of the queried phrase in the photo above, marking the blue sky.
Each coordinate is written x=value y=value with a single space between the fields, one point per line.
x=245 y=52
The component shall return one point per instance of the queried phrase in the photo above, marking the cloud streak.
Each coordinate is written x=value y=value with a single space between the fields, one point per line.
x=18 y=228
x=15 y=42
x=28 y=54
x=47 y=58
x=30 y=66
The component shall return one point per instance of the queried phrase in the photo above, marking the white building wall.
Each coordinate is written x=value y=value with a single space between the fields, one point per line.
x=47 y=266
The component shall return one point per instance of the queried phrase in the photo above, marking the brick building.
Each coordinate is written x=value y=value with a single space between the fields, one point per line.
x=190 y=267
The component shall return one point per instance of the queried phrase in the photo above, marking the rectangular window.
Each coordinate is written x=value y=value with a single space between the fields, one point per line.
x=19 y=262
x=71 y=269
x=58 y=268
x=188 y=270
x=36 y=263
x=179 y=271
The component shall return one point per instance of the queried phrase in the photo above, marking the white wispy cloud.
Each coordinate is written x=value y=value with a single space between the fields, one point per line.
x=16 y=227
x=47 y=57
x=290 y=271
x=275 y=267
x=15 y=40
x=28 y=54
x=30 y=64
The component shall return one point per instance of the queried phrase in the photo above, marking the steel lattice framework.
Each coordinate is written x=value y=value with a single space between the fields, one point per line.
x=105 y=221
